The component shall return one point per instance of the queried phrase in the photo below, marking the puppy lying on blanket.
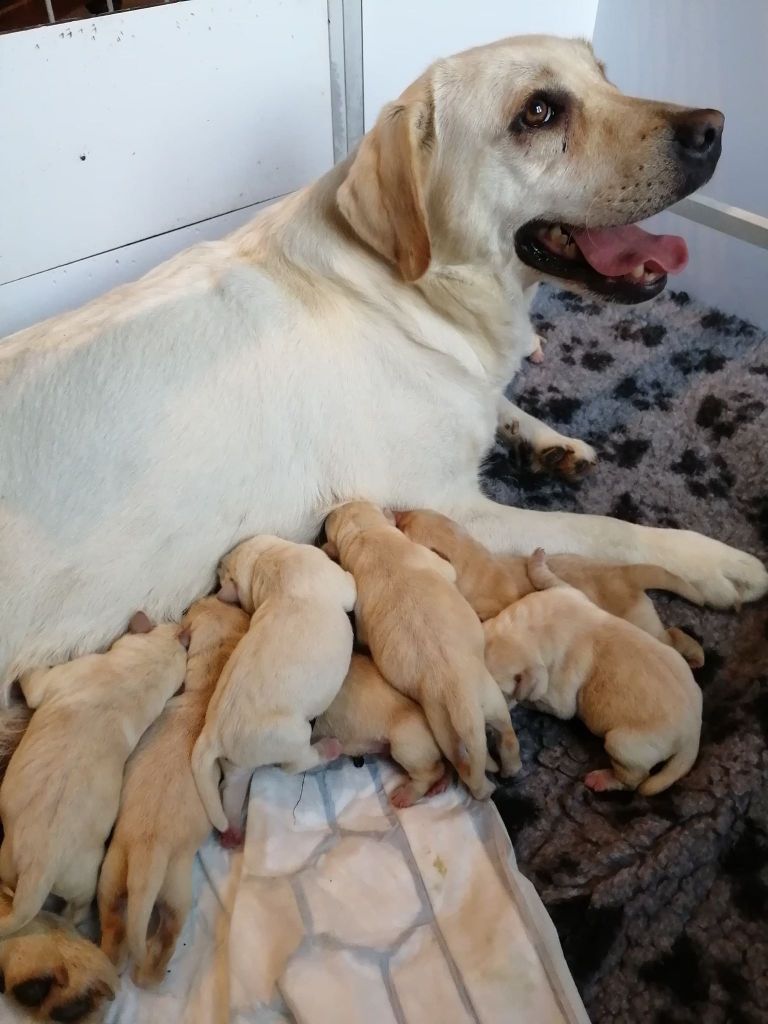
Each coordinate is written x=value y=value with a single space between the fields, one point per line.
x=368 y=716
x=492 y=582
x=425 y=638
x=52 y=971
x=285 y=671
x=162 y=822
x=563 y=654
x=61 y=793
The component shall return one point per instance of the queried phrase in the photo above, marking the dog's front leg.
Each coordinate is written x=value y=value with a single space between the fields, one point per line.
x=552 y=452
x=724 y=575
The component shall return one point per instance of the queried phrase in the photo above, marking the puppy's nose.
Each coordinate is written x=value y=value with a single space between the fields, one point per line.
x=698 y=134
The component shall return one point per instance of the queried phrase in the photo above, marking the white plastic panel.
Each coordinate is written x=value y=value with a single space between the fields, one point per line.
x=401 y=37
x=118 y=128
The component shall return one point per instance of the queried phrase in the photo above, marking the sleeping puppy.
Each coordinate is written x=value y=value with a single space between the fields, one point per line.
x=492 y=582
x=564 y=655
x=368 y=716
x=162 y=823
x=52 y=971
x=285 y=671
x=424 y=638
x=61 y=793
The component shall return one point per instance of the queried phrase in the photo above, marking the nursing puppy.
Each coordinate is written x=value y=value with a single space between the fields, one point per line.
x=492 y=582
x=285 y=671
x=61 y=793
x=368 y=716
x=425 y=638
x=564 y=655
x=52 y=971
x=162 y=823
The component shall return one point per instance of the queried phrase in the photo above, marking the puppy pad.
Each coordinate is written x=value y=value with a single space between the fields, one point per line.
x=341 y=910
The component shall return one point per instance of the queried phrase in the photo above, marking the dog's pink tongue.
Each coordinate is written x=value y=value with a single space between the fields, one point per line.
x=614 y=252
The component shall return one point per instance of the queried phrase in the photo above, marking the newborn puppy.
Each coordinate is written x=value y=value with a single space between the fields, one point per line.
x=285 y=671
x=61 y=793
x=52 y=971
x=425 y=639
x=490 y=583
x=566 y=656
x=368 y=716
x=162 y=823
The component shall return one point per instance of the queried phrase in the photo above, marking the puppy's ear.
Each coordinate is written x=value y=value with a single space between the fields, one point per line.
x=185 y=636
x=228 y=592
x=331 y=550
x=383 y=195
x=140 y=623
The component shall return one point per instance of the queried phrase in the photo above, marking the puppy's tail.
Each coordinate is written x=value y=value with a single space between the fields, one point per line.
x=653 y=577
x=32 y=887
x=676 y=767
x=145 y=878
x=539 y=573
x=206 y=774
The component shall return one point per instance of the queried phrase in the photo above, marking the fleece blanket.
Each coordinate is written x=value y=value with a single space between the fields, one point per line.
x=661 y=903
x=341 y=910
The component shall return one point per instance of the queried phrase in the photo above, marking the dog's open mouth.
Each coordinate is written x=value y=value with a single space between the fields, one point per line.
x=625 y=264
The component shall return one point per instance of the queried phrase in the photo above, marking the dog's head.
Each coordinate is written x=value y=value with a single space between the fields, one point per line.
x=523 y=149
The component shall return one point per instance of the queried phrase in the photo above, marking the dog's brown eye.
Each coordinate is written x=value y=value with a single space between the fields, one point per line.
x=537 y=112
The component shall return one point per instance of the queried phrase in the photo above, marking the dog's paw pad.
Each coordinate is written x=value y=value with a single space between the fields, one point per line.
x=602 y=781
x=232 y=839
x=570 y=459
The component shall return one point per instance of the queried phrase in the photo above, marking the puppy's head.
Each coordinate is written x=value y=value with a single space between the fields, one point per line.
x=354 y=516
x=523 y=149
x=236 y=572
x=432 y=530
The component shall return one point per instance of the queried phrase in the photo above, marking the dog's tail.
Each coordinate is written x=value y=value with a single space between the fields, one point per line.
x=207 y=775
x=539 y=573
x=676 y=767
x=145 y=879
x=32 y=888
x=459 y=728
x=653 y=577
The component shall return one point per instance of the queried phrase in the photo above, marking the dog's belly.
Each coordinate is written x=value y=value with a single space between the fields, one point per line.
x=133 y=460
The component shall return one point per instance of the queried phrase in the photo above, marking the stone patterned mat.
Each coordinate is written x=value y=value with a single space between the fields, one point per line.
x=340 y=910
x=661 y=903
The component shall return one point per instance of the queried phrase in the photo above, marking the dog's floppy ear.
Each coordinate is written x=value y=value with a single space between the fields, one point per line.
x=331 y=550
x=228 y=592
x=383 y=195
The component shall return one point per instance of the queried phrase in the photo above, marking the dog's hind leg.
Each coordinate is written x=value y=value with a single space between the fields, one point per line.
x=112 y=894
x=173 y=904
x=497 y=717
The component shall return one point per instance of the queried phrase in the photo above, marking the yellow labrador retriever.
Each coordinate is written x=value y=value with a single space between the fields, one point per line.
x=352 y=341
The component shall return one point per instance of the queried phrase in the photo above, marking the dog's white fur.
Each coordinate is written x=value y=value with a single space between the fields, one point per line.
x=352 y=341
x=61 y=793
x=285 y=671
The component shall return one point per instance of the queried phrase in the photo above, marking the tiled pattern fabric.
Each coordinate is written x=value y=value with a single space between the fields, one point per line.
x=340 y=910
x=661 y=903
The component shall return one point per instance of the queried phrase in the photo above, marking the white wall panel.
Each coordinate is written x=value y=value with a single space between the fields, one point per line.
x=121 y=127
x=401 y=37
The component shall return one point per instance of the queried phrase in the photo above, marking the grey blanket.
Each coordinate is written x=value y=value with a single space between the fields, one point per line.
x=661 y=903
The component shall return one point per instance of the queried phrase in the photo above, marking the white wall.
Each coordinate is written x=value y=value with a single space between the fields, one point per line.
x=705 y=53
x=183 y=113
x=401 y=37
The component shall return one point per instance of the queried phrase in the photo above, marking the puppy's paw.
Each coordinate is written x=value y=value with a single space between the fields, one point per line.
x=484 y=791
x=403 y=796
x=441 y=785
x=602 y=781
x=328 y=750
x=537 y=355
x=564 y=456
x=684 y=644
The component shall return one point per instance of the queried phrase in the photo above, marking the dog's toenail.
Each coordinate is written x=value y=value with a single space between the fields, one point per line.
x=32 y=992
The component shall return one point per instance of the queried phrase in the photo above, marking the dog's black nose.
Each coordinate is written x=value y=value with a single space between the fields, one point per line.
x=698 y=134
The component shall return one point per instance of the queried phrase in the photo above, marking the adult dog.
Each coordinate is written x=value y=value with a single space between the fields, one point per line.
x=351 y=342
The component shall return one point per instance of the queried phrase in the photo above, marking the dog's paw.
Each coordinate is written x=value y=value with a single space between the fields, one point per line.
x=602 y=781
x=232 y=839
x=725 y=576
x=537 y=355
x=403 y=796
x=565 y=456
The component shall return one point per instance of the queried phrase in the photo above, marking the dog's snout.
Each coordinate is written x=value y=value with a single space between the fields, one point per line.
x=698 y=134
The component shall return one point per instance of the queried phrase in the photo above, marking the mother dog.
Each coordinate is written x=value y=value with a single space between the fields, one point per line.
x=352 y=341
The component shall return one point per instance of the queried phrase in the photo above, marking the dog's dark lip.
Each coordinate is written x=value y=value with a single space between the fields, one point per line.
x=615 y=289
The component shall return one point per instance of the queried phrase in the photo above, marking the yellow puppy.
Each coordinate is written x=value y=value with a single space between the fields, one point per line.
x=492 y=582
x=564 y=655
x=162 y=822
x=52 y=971
x=425 y=638
x=284 y=672
x=61 y=793
x=371 y=717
